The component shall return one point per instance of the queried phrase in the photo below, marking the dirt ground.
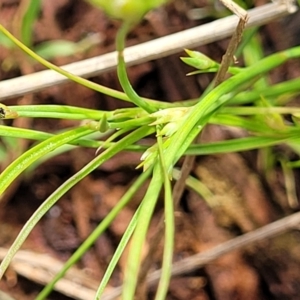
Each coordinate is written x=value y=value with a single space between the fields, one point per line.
x=248 y=197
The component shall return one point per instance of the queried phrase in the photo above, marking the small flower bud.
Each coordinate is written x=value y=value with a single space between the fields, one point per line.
x=200 y=61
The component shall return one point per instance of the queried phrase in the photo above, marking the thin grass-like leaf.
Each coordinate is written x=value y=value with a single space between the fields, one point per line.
x=30 y=156
x=90 y=240
x=242 y=144
x=117 y=254
x=139 y=235
x=58 y=112
x=30 y=16
x=169 y=231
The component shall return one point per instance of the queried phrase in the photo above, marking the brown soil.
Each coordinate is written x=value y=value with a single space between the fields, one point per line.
x=248 y=197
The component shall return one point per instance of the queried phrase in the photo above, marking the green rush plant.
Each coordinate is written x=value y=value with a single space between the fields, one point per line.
x=176 y=125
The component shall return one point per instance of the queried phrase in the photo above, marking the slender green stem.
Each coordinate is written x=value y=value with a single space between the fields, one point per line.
x=252 y=53
x=59 y=112
x=196 y=185
x=122 y=73
x=138 y=238
x=242 y=144
x=169 y=231
x=288 y=88
x=29 y=16
x=41 y=136
x=284 y=89
x=258 y=110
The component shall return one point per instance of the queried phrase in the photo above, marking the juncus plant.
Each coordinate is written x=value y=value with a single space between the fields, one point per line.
x=175 y=126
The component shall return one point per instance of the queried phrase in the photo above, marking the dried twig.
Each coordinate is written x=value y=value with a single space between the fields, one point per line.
x=41 y=268
x=234 y=41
